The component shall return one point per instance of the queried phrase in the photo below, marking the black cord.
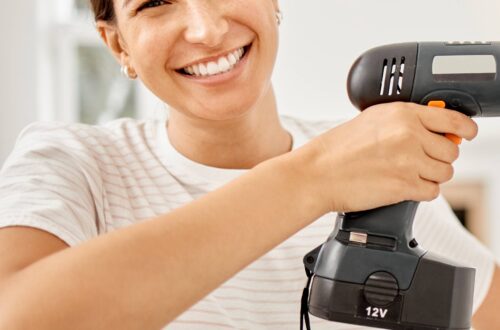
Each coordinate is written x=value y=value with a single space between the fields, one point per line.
x=304 y=309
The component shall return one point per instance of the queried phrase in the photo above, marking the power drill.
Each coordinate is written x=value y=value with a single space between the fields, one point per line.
x=371 y=271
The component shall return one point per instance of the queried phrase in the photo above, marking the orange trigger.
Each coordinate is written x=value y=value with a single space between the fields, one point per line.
x=452 y=137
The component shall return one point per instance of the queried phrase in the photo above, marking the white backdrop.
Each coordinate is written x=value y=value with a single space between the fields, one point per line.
x=18 y=62
x=319 y=41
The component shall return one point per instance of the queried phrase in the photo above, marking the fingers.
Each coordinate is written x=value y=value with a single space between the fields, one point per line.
x=426 y=191
x=397 y=149
x=441 y=120
x=436 y=171
x=440 y=148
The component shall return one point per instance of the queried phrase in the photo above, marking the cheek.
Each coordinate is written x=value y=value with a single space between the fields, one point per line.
x=262 y=20
x=150 y=51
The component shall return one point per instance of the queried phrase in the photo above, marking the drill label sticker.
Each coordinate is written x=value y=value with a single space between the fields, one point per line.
x=389 y=313
x=376 y=312
x=384 y=313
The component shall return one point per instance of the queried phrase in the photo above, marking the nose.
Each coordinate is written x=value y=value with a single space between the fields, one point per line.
x=205 y=23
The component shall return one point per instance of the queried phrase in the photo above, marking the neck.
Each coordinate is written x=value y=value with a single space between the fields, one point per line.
x=236 y=143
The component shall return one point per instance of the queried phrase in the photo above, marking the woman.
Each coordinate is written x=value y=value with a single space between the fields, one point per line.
x=202 y=223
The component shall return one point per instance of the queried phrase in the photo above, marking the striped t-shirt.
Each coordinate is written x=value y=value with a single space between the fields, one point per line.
x=78 y=181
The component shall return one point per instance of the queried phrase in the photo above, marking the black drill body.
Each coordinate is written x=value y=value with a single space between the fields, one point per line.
x=371 y=270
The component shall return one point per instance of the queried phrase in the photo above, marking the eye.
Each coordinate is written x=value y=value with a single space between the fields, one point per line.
x=151 y=4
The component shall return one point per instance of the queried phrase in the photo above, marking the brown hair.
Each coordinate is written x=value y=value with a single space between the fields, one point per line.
x=103 y=10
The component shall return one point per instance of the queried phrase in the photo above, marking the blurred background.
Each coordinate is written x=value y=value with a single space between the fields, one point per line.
x=54 y=67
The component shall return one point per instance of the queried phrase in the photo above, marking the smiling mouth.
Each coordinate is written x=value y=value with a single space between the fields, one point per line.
x=217 y=66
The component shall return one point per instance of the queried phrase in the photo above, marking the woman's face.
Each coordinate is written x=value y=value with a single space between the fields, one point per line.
x=209 y=59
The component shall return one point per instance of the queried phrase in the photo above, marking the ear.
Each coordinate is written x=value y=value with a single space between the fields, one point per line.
x=114 y=41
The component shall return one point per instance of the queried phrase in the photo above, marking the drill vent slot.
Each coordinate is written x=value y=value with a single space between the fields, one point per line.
x=392 y=76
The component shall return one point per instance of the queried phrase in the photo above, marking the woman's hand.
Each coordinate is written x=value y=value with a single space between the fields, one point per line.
x=389 y=153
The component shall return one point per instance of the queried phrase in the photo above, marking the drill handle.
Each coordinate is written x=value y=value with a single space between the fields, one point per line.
x=392 y=223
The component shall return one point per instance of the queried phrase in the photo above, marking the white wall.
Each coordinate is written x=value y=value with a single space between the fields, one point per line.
x=18 y=70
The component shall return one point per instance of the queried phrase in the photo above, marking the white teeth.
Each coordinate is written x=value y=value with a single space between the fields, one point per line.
x=196 y=70
x=203 y=69
x=212 y=68
x=232 y=59
x=222 y=64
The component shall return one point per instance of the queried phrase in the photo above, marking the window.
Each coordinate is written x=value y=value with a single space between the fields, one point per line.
x=80 y=80
x=103 y=94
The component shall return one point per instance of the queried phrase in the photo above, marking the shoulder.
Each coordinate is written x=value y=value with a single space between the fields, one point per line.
x=47 y=140
x=76 y=135
x=310 y=128
x=79 y=144
x=117 y=128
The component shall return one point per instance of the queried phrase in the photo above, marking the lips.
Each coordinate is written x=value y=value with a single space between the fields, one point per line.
x=219 y=65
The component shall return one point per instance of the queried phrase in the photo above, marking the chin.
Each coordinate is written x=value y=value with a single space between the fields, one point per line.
x=217 y=109
x=222 y=113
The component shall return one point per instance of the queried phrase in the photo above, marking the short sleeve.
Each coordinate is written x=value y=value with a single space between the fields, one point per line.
x=44 y=184
x=438 y=230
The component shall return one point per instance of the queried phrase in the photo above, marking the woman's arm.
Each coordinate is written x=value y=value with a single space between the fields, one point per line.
x=143 y=276
x=487 y=316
